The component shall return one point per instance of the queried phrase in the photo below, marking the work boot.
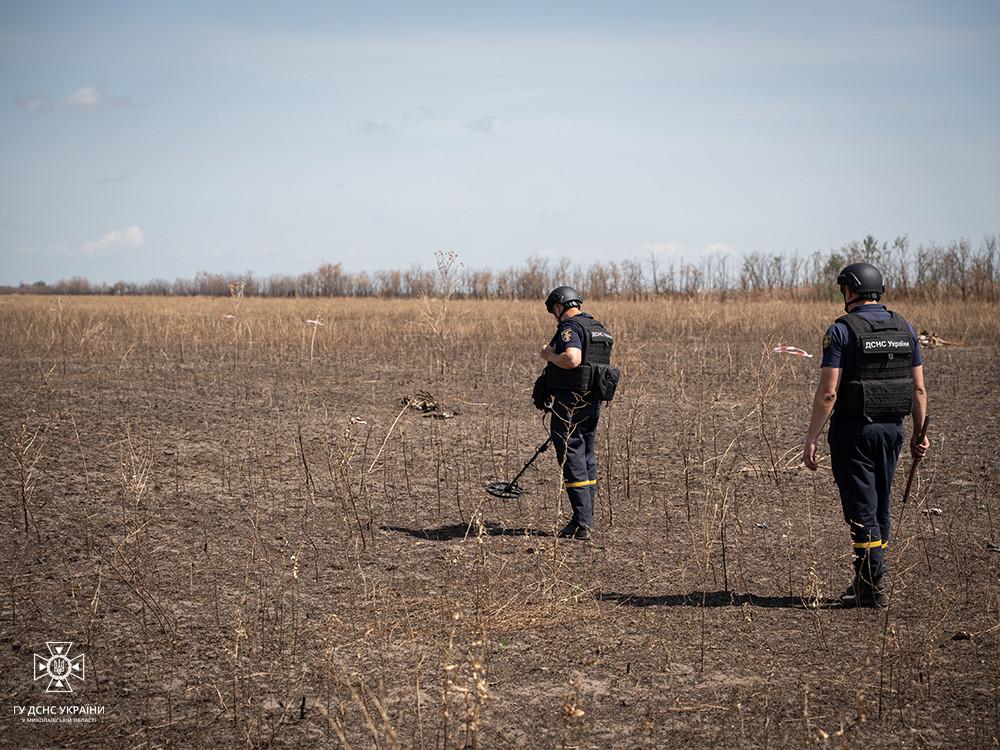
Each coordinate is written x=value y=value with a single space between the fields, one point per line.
x=874 y=594
x=849 y=597
x=867 y=594
x=583 y=533
x=569 y=530
x=573 y=530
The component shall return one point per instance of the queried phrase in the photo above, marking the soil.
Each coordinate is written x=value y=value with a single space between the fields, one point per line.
x=254 y=540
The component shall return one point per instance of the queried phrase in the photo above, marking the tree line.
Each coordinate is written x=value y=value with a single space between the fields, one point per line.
x=930 y=272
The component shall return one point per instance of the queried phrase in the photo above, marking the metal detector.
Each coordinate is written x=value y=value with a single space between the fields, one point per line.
x=511 y=489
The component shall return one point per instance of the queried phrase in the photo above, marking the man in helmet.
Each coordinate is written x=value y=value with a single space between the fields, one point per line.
x=580 y=345
x=872 y=376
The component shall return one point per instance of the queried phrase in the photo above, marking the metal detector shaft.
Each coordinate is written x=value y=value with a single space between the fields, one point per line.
x=541 y=449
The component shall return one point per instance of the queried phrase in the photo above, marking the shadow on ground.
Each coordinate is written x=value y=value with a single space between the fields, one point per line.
x=715 y=599
x=462 y=530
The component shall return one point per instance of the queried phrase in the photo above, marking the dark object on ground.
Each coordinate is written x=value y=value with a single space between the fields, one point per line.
x=423 y=402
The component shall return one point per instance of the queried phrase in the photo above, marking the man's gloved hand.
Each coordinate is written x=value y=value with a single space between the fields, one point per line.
x=540 y=393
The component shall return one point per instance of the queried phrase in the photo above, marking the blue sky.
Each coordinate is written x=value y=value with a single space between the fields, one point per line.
x=149 y=140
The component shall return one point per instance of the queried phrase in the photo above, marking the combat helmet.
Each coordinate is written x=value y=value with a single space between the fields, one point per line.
x=566 y=296
x=863 y=279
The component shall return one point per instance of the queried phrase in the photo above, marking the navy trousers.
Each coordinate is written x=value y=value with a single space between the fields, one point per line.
x=573 y=427
x=864 y=458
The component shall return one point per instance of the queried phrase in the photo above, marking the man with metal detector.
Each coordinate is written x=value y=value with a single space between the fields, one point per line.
x=577 y=377
x=872 y=376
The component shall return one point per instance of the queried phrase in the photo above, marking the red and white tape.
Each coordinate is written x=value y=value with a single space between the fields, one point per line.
x=791 y=350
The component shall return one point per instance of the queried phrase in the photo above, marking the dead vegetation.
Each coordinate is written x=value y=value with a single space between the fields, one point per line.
x=257 y=541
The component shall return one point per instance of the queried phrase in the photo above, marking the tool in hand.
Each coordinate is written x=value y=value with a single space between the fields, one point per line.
x=913 y=471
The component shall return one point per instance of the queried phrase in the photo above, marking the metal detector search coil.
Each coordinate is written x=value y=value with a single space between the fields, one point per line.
x=511 y=489
x=505 y=490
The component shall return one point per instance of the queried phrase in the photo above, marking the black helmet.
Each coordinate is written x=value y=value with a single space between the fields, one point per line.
x=566 y=296
x=862 y=279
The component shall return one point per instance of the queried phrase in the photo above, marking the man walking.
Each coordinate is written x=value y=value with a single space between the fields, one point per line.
x=573 y=356
x=872 y=376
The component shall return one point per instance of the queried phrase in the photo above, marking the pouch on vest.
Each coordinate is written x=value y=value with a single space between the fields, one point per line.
x=605 y=382
x=540 y=393
x=576 y=379
x=886 y=400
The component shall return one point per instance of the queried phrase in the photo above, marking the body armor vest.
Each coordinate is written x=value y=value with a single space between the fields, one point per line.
x=879 y=385
x=597 y=342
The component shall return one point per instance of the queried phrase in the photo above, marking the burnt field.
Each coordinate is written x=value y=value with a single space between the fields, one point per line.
x=257 y=538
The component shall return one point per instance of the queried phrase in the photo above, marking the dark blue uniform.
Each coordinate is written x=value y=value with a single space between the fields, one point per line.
x=863 y=454
x=573 y=429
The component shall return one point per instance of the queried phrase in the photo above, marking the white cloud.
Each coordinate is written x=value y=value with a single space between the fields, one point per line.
x=130 y=237
x=84 y=99
x=372 y=127
x=483 y=124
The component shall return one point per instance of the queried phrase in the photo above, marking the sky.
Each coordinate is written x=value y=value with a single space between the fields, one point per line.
x=156 y=140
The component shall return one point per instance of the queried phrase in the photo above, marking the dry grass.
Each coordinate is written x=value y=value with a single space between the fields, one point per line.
x=255 y=545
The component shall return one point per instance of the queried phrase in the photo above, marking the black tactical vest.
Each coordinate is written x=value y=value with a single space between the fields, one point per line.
x=596 y=350
x=878 y=386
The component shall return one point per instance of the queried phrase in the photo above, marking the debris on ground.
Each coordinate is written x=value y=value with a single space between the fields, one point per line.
x=962 y=635
x=992 y=547
x=930 y=340
x=933 y=511
x=762 y=525
x=425 y=403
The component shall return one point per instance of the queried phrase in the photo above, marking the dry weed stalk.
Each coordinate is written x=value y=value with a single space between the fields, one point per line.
x=25 y=449
x=436 y=310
